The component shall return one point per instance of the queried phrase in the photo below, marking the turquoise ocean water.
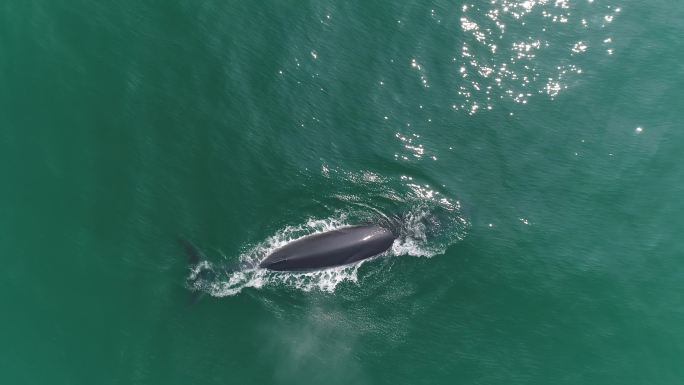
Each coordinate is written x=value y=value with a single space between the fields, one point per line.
x=531 y=149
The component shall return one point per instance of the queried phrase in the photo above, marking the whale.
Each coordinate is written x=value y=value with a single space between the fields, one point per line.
x=333 y=248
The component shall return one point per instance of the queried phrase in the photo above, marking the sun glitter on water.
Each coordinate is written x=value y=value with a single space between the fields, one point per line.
x=506 y=45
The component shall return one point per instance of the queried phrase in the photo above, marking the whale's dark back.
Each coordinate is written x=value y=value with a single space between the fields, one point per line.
x=333 y=248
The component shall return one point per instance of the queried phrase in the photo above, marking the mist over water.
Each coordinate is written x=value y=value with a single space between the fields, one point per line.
x=527 y=153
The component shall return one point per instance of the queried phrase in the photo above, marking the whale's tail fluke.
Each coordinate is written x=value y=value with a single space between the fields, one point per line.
x=191 y=251
x=195 y=256
x=202 y=271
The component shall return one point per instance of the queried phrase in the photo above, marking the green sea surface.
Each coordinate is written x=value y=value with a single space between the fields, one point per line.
x=531 y=152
